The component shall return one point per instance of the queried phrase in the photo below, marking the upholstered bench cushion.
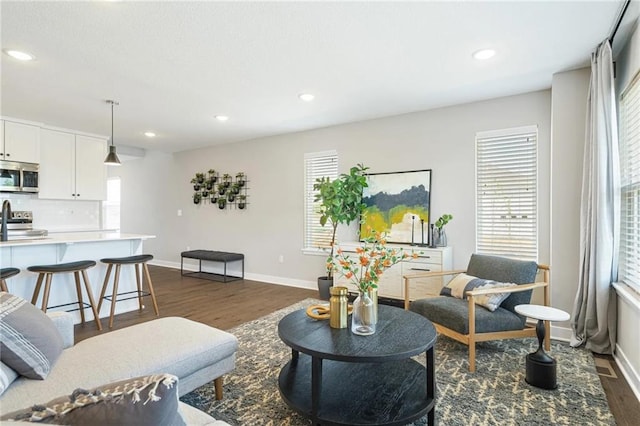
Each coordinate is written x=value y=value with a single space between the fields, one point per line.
x=454 y=314
x=216 y=256
x=177 y=346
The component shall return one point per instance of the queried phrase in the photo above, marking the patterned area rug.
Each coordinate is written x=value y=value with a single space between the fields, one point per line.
x=496 y=394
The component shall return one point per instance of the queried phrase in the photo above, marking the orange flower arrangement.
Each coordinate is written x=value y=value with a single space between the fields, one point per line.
x=372 y=259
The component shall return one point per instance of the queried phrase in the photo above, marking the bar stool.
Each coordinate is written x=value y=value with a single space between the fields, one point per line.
x=137 y=260
x=7 y=273
x=75 y=267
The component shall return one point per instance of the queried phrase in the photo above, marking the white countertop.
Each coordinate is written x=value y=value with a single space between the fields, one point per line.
x=75 y=237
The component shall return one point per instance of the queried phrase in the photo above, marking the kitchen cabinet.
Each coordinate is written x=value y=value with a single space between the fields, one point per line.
x=20 y=142
x=391 y=283
x=72 y=166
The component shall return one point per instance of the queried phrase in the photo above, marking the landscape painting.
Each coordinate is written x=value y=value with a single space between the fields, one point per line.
x=397 y=203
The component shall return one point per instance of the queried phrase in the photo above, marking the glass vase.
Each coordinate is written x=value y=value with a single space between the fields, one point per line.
x=441 y=238
x=363 y=319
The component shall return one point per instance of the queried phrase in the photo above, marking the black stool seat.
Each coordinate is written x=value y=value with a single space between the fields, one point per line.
x=8 y=272
x=141 y=258
x=63 y=267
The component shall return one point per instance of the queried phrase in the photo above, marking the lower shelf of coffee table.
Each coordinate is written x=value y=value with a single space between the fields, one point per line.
x=391 y=393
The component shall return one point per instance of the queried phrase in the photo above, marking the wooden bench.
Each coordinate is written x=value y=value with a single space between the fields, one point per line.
x=212 y=256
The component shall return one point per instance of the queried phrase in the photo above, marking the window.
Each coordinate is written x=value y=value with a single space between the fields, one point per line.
x=317 y=165
x=629 y=266
x=506 y=193
x=111 y=206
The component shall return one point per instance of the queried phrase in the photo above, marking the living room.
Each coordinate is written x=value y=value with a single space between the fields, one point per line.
x=156 y=194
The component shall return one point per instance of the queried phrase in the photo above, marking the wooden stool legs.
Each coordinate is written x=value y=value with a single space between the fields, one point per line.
x=47 y=277
x=140 y=278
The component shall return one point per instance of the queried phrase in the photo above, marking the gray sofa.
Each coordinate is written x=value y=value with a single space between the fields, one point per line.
x=193 y=352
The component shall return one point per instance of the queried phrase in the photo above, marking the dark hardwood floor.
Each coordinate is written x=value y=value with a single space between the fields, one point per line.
x=226 y=305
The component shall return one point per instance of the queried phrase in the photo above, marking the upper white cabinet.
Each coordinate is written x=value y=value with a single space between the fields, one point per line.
x=72 y=167
x=20 y=142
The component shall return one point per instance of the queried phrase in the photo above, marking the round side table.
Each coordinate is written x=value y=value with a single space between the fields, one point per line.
x=541 y=368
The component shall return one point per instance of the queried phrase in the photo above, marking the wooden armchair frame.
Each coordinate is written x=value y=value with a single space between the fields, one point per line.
x=473 y=337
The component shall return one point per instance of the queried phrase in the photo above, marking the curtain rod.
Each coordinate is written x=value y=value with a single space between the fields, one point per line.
x=619 y=21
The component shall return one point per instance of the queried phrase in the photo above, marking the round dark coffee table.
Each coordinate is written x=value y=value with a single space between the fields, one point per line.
x=335 y=377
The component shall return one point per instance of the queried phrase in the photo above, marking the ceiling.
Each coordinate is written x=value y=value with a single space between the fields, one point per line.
x=173 y=66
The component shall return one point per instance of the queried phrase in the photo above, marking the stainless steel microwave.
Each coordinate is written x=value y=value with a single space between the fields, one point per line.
x=18 y=177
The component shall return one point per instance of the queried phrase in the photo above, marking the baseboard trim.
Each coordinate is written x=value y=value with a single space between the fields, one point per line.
x=270 y=279
x=632 y=376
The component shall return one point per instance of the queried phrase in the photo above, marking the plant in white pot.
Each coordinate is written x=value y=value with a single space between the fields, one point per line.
x=340 y=202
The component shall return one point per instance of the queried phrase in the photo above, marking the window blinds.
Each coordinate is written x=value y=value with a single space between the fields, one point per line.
x=629 y=264
x=317 y=165
x=506 y=193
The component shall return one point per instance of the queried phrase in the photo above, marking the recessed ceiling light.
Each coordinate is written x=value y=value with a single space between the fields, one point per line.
x=222 y=117
x=307 y=97
x=150 y=134
x=483 y=54
x=21 y=56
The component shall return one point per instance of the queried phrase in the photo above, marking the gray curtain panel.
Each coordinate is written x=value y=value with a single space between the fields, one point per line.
x=595 y=310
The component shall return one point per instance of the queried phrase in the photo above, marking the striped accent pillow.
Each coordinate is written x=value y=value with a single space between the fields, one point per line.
x=30 y=342
x=462 y=283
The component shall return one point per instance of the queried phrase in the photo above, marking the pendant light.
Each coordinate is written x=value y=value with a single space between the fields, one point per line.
x=112 y=158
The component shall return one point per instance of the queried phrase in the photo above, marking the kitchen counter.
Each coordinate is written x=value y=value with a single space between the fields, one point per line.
x=73 y=237
x=66 y=247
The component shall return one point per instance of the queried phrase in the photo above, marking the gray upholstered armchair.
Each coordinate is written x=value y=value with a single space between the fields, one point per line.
x=465 y=322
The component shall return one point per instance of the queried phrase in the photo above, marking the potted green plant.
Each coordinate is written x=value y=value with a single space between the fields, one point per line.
x=242 y=201
x=196 y=185
x=213 y=177
x=440 y=236
x=197 y=198
x=222 y=203
x=222 y=188
x=240 y=179
x=340 y=202
x=226 y=180
x=200 y=178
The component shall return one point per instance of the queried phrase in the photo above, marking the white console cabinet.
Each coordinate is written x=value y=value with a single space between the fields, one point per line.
x=391 y=284
x=20 y=142
x=72 y=166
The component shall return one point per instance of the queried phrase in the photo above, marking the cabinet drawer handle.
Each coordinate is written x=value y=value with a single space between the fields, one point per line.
x=421 y=269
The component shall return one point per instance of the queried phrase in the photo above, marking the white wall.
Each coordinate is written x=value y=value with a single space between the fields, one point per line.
x=569 y=105
x=442 y=140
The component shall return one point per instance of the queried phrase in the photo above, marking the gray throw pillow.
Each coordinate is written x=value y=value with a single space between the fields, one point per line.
x=30 y=342
x=141 y=401
x=462 y=283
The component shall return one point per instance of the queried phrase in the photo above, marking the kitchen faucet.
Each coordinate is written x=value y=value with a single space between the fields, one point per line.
x=6 y=212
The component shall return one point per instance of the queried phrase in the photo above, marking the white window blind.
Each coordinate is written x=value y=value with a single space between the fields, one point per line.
x=629 y=264
x=506 y=193
x=317 y=165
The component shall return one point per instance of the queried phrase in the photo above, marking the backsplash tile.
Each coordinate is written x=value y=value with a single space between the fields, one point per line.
x=58 y=215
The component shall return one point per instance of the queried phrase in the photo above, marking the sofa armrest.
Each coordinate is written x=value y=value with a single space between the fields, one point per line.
x=64 y=323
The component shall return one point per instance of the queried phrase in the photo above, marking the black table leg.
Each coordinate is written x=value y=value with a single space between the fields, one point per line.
x=294 y=357
x=431 y=385
x=540 y=355
x=316 y=386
